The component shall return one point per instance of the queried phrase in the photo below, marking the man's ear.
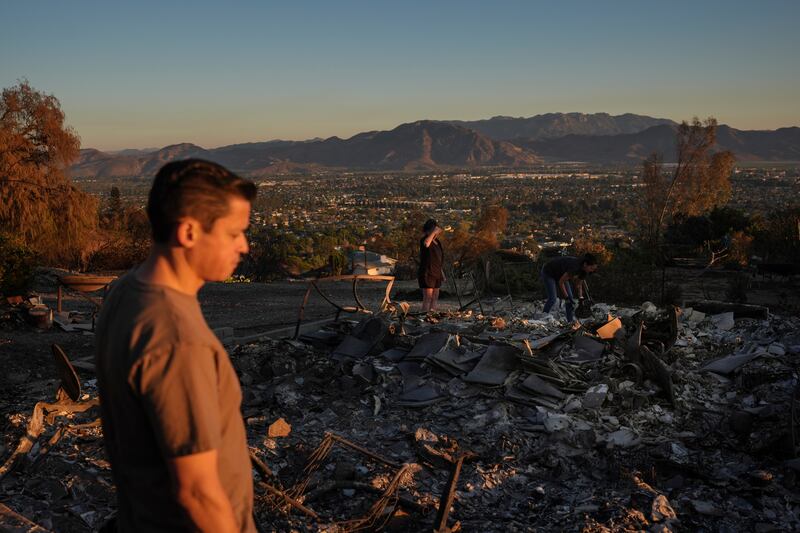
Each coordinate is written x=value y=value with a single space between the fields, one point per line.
x=187 y=232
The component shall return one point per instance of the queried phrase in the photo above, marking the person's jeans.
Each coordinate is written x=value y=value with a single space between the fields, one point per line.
x=551 y=288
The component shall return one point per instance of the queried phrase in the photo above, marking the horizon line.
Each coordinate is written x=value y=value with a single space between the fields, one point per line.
x=319 y=138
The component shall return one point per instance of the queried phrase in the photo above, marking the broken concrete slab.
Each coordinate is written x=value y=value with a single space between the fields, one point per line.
x=730 y=363
x=495 y=365
x=351 y=347
x=364 y=337
x=777 y=349
x=585 y=349
x=595 y=396
x=554 y=422
x=541 y=343
x=453 y=362
x=519 y=395
x=371 y=329
x=694 y=317
x=706 y=507
x=365 y=372
x=588 y=344
x=723 y=321
x=536 y=385
x=649 y=308
x=624 y=437
x=427 y=345
x=395 y=354
x=458 y=388
x=420 y=396
x=413 y=375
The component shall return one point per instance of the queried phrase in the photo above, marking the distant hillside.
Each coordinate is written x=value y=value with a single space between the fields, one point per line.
x=772 y=145
x=426 y=145
x=554 y=125
x=94 y=163
x=418 y=145
x=134 y=151
x=414 y=146
x=782 y=144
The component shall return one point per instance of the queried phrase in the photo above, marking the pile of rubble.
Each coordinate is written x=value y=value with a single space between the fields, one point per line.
x=19 y=312
x=640 y=419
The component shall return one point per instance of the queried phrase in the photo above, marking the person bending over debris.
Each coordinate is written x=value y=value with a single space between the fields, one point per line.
x=431 y=260
x=170 y=398
x=559 y=272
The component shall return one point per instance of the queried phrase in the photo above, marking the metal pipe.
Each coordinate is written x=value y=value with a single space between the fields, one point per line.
x=288 y=499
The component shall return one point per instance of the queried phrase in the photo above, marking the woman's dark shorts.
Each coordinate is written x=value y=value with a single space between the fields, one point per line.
x=429 y=281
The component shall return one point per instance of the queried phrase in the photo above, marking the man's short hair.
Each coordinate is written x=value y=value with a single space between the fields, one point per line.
x=196 y=188
x=589 y=259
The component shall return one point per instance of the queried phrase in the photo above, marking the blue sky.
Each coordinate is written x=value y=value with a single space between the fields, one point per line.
x=145 y=74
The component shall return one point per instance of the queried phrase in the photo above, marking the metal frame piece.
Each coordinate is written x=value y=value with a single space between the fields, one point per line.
x=70 y=383
x=82 y=285
x=377 y=514
x=449 y=494
x=358 y=308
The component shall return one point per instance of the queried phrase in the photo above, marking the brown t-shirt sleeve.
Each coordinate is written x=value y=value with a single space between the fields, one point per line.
x=178 y=389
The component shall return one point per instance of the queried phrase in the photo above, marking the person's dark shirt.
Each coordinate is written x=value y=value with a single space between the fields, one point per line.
x=555 y=268
x=431 y=258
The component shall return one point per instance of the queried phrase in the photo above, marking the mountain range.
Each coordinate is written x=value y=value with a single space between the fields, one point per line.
x=428 y=145
x=554 y=125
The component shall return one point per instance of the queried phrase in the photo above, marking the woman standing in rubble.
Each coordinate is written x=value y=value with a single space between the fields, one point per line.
x=557 y=275
x=431 y=261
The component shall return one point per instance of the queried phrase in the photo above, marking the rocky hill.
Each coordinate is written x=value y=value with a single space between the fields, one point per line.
x=747 y=145
x=554 y=125
x=413 y=146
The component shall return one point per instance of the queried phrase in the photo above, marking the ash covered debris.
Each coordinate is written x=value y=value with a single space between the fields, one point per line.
x=641 y=419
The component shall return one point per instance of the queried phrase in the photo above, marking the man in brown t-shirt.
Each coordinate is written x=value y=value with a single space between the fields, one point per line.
x=169 y=395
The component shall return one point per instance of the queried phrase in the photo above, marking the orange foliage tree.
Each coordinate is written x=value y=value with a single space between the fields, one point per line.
x=469 y=242
x=38 y=202
x=699 y=181
x=587 y=242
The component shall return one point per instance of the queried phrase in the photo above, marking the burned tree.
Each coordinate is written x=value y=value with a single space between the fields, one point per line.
x=38 y=202
x=699 y=181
